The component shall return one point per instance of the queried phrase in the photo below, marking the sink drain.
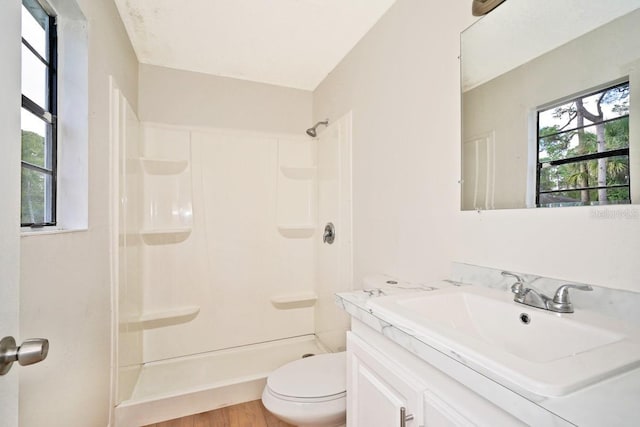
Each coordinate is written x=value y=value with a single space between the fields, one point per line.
x=304 y=356
x=524 y=318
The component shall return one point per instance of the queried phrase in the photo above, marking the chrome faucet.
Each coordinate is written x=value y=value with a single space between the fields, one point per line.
x=560 y=303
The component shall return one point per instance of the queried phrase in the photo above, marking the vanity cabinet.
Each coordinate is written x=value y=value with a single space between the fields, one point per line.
x=386 y=383
x=380 y=393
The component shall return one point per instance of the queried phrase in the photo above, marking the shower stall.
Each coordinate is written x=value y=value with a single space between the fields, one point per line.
x=220 y=273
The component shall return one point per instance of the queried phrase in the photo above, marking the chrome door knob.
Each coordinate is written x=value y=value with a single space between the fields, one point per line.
x=31 y=351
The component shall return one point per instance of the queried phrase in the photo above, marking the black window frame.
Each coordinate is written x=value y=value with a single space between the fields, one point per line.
x=48 y=114
x=579 y=158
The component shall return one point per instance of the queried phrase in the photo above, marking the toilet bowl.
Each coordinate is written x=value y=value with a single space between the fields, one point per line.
x=309 y=392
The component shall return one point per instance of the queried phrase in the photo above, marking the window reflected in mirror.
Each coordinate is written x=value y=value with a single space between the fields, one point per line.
x=583 y=150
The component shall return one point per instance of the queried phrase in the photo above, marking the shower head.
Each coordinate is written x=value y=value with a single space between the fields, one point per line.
x=312 y=130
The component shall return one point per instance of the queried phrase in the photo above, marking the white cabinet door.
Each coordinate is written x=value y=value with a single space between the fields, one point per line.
x=379 y=392
x=438 y=413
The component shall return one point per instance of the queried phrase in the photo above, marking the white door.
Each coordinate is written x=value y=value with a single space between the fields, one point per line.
x=10 y=45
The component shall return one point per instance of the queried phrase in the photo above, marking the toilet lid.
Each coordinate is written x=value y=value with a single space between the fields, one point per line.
x=316 y=376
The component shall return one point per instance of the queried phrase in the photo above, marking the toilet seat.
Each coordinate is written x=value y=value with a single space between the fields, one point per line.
x=306 y=399
x=317 y=378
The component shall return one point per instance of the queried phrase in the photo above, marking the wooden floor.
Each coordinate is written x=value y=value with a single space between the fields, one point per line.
x=250 y=414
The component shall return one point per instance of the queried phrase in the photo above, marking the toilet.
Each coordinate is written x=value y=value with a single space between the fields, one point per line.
x=309 y=392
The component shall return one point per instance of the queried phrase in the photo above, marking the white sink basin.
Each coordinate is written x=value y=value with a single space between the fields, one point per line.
x=545 y=353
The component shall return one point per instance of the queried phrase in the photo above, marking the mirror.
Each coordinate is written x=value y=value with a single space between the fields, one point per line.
x=529 y=56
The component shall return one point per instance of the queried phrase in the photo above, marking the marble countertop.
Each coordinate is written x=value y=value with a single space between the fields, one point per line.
x=612 y=402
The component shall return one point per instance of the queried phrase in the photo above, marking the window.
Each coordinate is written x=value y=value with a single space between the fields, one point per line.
x=583 y=150
x=38 y=116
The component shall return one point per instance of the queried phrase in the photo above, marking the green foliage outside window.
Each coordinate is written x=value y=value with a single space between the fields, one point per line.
x=33 y=182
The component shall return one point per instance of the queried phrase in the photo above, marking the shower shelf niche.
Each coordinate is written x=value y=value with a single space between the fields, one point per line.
x=296 y=172
x=155 y=166
x=160 y=236
x=165 y=317
x=300 y=300
x=296 y=231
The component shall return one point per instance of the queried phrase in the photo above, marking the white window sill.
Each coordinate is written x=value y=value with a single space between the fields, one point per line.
x=29 y=232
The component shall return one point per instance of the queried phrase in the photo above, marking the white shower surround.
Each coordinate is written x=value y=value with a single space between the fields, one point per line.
x=234 y=261
x=200 y=279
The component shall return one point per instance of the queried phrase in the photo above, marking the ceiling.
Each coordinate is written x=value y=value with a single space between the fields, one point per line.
x=292 y=43
x=518 y=31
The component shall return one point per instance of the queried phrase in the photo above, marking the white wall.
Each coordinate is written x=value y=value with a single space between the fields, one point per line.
x=187 y=98
x=65 y=284
x=402 y=83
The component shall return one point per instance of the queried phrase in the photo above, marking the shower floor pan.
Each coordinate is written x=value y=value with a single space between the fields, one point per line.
x=188 y=385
